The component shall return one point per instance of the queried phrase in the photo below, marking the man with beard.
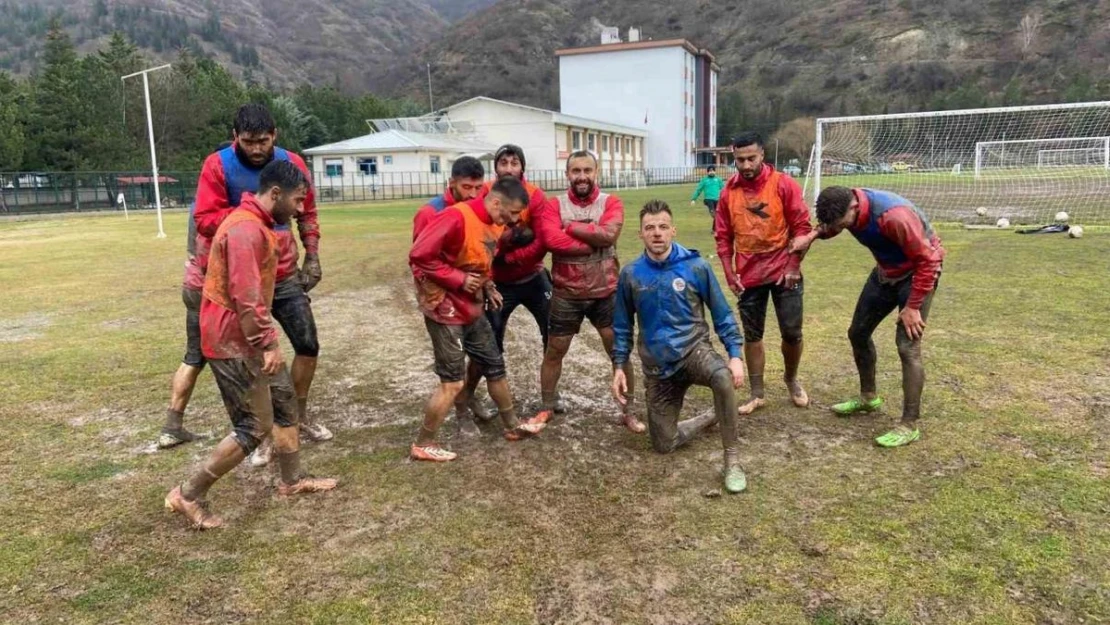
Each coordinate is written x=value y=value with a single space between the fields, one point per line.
x=518 y=271
x=451 y=261
x=760 y=211
x=465 y=184
x=225 y=177
x=239 y=340
x=580 y=228
x=666 y=290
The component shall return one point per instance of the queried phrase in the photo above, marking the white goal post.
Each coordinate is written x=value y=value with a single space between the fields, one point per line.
x=1025 y=163
x=1020 y=148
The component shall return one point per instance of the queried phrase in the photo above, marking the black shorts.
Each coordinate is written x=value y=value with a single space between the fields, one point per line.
x=534 y=294
x=567 y=314
x=292 y=309
x=788 y=309
x=711 y=205
x=193 y=355
x=452 y=345
x=255 y=401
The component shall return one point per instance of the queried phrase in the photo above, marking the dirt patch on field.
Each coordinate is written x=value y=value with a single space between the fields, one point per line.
x=25 y=328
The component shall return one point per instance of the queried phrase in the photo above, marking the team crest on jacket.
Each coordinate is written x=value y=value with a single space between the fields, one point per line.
x=679 y=285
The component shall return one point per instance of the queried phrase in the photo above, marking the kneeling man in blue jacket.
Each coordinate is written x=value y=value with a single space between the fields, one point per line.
x=667 y=290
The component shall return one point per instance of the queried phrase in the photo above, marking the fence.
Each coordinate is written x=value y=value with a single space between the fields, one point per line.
x=29 y=193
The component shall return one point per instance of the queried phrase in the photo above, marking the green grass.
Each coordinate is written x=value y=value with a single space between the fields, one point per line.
x=998 y=515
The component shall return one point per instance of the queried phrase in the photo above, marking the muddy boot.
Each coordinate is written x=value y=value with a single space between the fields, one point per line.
x=196 y=512
x=306 y=485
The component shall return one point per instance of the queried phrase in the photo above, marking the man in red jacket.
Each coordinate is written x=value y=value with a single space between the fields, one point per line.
x=451 y=261
x=760 y=212
x=465 y=184
x=518 y=274
x=239 y=340
x=225 y=177
x=580 y=228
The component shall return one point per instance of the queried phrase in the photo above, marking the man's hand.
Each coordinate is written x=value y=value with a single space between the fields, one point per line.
x=693 y=202
x=800 y=244
x=521 y=236
x=790 y=280
x=473 y=282
x=620 y=386
x=310 y=272
x=913 y=323
x=734 y=284
x=736 y=368
x=494 y=299
x=272 y=360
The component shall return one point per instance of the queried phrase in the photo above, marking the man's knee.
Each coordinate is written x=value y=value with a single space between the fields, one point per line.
x=721 y=381
x=908 y=349
x=307 y=346
x=453 y=387
x=248 y=438
x=557 y=347
x=792 y=334
x=858 y=336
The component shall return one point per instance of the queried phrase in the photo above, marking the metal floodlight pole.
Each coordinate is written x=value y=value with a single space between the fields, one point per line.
x=150 y=133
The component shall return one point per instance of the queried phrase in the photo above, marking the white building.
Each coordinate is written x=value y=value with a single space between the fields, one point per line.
x=668 y=88
x=547 y=137
x=391 y=163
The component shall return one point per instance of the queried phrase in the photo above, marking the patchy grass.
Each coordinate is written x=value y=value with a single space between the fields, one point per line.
x=997 y=516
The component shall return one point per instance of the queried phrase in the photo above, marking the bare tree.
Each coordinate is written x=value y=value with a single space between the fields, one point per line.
x=1030 y=25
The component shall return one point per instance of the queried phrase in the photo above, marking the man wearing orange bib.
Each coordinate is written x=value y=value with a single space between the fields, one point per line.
x=760 y=212
x=452 y=261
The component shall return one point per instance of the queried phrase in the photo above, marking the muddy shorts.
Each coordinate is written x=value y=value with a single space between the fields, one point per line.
x=254 y=401
x=878 y=299
x=567 y=314
x=788 y=309
x=452 y=345
x=293 y=311
x=665 y=396
x=193 y=356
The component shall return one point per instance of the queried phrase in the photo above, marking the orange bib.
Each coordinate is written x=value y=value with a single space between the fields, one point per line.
x=758 y=221
x=479 y=245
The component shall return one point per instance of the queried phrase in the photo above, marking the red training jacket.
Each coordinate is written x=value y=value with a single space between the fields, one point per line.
x=213 y=206
x=582 y=238
x=754 y=270
x=519 y=264
x=235 y=319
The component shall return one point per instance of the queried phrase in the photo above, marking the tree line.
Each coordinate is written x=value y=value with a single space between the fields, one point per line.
x=75 y=114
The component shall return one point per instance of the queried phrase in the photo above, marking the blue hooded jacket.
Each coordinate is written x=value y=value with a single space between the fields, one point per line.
x=668 y=298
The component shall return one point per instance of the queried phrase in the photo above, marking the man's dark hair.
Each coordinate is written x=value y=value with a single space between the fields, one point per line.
x=510 y=149
x=512 y=189
x=745 y=139
x=710 y=168
x=833 y=203
x=253 y=118
x=580 y=154
x=468 y=168
x=283 y=175
x=654 y=207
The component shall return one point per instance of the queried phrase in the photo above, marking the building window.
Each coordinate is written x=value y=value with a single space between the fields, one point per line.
x=387 y=159
x=333 y=167
x=434 y=161
x=368 y=166
x=605 y=144
x=591 y=142
x=628 y=147
x=576 y=140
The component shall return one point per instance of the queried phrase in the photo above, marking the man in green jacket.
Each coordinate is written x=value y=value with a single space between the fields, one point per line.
x=711 y=186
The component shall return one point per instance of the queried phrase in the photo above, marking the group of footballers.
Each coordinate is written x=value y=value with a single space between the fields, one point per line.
x=478 y=254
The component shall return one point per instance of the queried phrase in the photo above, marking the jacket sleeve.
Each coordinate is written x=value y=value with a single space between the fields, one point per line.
x=420 y=220
x=551 y=231
x=724 y=322
x=797 y=217
x=441 y=236
x=212 y=205
x=902 y=225
x=698 y=190
x=623 y=318
x=308 y=222
x=607 y=231
x=245 y=252
x=722 y=232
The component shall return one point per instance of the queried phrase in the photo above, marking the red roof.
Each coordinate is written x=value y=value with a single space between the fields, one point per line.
x=144 y=179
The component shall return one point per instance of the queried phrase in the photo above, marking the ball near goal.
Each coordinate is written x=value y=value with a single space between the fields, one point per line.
x=1003 y=222
x=1061 y=217
x=1075 y=232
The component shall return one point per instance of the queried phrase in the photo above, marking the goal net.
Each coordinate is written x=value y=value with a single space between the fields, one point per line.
x=629 y=179
x=1023 y=163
